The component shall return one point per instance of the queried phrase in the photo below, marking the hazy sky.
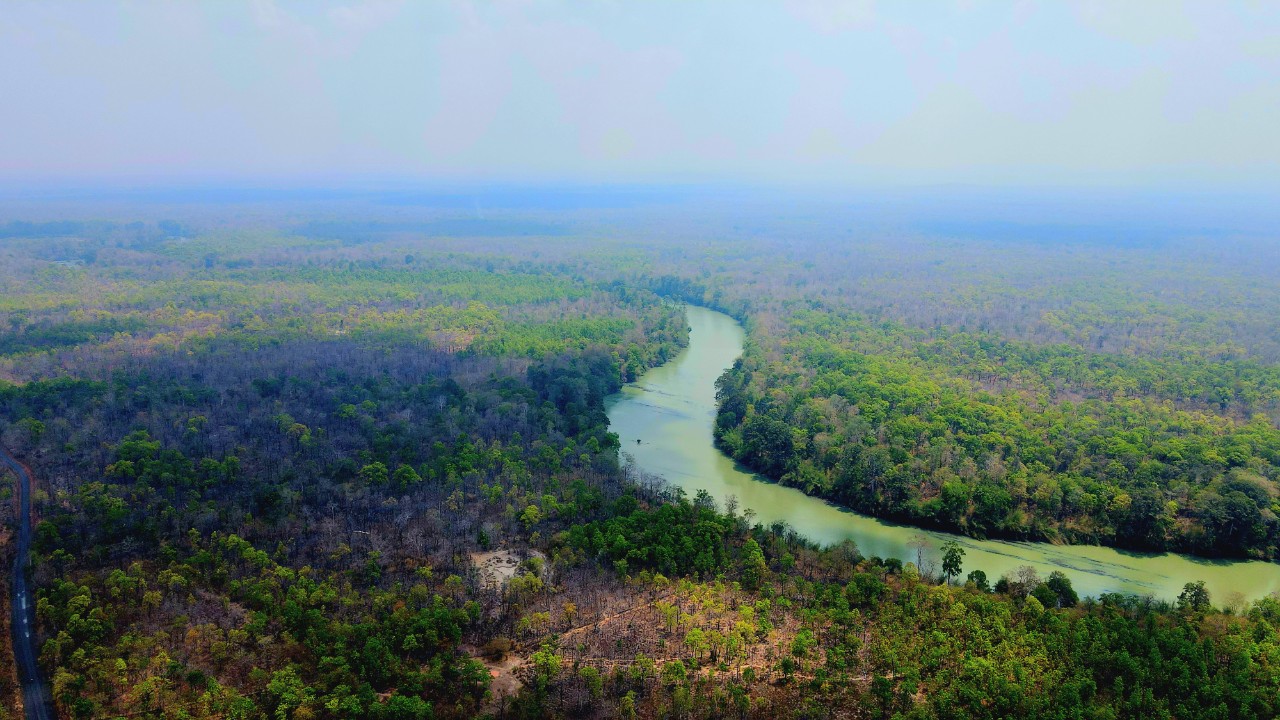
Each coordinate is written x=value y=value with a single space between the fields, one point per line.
x=1114 y=92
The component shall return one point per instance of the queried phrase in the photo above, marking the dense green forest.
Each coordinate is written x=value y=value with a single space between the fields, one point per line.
x=985 y=388
x=346 y=469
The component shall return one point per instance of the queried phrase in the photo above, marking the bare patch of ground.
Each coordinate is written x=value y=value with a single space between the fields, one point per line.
x=505 y=683
x=497 y=567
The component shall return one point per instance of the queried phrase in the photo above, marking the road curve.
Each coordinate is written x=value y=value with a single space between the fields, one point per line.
x=35 y=693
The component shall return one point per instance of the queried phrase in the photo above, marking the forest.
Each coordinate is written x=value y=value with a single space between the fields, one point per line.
x=988 y=389
x=361 y=467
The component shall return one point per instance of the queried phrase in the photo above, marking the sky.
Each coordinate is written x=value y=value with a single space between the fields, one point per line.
x=857 y=93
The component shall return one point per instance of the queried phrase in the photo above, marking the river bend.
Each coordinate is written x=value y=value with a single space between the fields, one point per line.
x=671 y=411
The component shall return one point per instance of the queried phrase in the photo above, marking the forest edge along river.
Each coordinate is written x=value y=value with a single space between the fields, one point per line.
x=671 y=412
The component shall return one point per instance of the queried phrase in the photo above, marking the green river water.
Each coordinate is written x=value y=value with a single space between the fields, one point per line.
x=671 y=409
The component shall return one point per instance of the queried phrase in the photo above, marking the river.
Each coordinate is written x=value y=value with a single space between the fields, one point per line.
x=672 y=408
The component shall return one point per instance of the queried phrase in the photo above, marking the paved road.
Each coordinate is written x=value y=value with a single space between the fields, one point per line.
x=35 y=693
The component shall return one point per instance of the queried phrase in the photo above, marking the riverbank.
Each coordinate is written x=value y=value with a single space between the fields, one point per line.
x=665 y=421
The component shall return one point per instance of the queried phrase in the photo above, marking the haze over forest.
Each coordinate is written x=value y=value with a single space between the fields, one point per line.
x=640 y=360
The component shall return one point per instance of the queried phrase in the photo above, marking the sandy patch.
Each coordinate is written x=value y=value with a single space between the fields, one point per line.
x=497 y=567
